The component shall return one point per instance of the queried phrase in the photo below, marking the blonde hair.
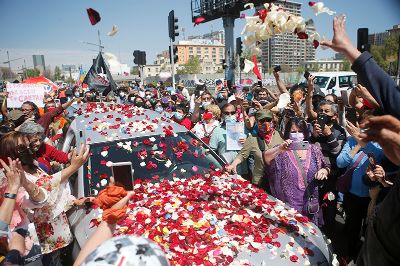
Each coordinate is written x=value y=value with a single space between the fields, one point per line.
x=214 y=109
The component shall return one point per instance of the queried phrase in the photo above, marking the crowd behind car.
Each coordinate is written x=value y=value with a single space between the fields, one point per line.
x=321 y=155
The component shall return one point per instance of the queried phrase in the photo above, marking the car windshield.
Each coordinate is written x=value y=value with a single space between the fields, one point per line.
x=321 y=81
x=153 y=158
x=347 y=81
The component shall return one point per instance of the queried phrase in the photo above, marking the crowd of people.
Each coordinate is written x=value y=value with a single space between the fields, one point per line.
x=308 y=151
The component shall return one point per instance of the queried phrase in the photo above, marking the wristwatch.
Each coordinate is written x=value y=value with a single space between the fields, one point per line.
x=10 y=195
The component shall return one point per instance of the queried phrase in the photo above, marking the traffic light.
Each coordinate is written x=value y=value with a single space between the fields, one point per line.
x=172 y=25
x=241 y=63
x=142 y=57
x=175 y=54
x=136 y=56
x=139 y=57
x=239 y=47
x=223 y=63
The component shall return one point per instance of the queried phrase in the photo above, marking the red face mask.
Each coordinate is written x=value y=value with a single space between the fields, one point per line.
x=207 y=116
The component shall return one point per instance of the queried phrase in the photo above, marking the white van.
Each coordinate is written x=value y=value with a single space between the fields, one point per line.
x=335 y=82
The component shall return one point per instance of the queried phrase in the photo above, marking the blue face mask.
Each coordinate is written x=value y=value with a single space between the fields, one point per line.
x=1 y=118
x=205 y=104
x=230 y=119
x=159 y=109
x=178 y=116
x=77 y=94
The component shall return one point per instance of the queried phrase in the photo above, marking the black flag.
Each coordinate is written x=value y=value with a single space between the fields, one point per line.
x=99 y=77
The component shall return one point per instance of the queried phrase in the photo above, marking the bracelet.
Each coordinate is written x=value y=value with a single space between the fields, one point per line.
x=10 y=195
x=36 y=191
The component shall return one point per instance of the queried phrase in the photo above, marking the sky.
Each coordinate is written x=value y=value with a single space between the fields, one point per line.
x=58 y=29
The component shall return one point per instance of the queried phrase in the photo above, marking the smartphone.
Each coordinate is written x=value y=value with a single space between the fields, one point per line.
x=372 y=161
x=57 y=102
x=249 y=97
x=351 y=115
x=277 y=68
x=306 y=74
x=322 y=120
x=298 y=145
x=123 y=175
x=345 y=97
x=198 y=93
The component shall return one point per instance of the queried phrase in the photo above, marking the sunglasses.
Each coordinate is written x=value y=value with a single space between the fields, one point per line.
x=206 y=99
x=230 y=113
x=265 y=120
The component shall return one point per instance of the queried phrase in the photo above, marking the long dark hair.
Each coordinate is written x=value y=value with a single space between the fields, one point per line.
x=300 y=123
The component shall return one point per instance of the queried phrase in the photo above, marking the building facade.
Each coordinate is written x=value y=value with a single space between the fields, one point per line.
x=38 y=62
x=380 y=37
x=287 y=49
x=323 y=65
x=204 y=49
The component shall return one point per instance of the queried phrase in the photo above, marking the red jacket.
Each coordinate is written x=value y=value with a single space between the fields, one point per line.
x=48 y=153
x=47 y=118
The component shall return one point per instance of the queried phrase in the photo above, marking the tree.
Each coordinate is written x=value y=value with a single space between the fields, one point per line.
x=247 y=54
x=6 y=74
x=47 y=73
x=220 y=70
x=346 y=65
x=57 y=73
x=32 y=72
x=300 y=69
x=135 y=70
x=386 y=55
x=191 y=67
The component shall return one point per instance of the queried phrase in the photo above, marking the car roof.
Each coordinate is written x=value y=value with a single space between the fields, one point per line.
x=103 y=122
x=337 y=73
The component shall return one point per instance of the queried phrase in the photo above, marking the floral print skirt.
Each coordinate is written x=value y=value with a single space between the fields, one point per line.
x=54 y=233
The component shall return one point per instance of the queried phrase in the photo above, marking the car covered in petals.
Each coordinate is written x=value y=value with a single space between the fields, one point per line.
x=184 y=201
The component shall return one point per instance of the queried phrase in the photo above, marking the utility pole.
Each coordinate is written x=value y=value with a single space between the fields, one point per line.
x=9 y=62
x=229 y=23
x=172 y=33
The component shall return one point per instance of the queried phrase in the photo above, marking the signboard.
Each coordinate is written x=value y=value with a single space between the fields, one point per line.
x=19 y=93
x=234 y=131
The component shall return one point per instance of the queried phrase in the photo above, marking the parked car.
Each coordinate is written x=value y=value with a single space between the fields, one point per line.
x=183 y=200
x=335 y=82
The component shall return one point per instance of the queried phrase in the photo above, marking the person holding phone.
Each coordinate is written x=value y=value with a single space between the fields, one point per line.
x=354 y=157
x=292 y=173
x=331 y=137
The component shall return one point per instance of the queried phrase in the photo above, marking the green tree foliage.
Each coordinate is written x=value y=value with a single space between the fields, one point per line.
x=135 y=70
x=32 y=72
x=346 y=65
x=386 y=55
x=57 y=73
x=191 y=67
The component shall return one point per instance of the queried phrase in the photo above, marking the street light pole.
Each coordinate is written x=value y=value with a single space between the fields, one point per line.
x=9 y=63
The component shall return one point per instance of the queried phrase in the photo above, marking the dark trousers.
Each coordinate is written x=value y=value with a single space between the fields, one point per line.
x=356 y=212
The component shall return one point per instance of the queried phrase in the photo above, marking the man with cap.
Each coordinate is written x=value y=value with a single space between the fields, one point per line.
x=266 y=138
x=182 y=90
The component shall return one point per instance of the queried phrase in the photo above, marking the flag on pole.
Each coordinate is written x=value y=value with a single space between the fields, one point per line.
x=99 y=77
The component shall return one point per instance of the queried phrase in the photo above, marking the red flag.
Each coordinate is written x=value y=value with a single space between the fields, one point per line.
x=255 y=68
x=94 y=16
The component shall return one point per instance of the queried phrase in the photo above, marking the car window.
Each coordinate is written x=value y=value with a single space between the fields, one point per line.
x=153 y=158
x=347 y=81
x=321 y=81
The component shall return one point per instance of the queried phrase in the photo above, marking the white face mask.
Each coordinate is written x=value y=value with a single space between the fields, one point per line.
x=122 y=94
x=297 y=136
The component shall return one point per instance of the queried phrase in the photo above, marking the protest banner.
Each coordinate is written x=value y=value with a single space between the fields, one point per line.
x=234 y=131
x=19 y=93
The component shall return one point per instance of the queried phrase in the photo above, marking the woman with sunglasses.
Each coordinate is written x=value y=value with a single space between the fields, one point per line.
x=266 y=138
x=293 y=168
x=50 y=219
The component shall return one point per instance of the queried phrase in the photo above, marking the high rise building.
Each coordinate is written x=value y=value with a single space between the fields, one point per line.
x=38 y=62
x=213 y=35
x=380 y=37
x=287 y=49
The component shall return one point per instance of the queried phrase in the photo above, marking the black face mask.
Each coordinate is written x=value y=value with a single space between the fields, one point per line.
x=25 y=155
x=90 y=98
x=139 y=104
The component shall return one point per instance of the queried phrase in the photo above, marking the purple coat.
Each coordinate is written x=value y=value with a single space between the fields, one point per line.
x=287 y=183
